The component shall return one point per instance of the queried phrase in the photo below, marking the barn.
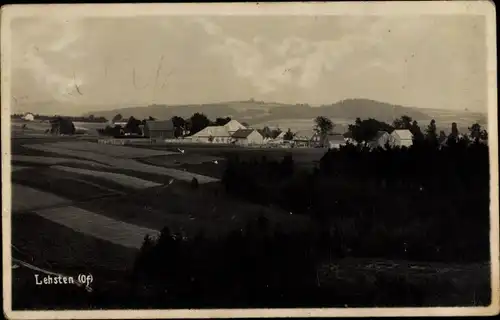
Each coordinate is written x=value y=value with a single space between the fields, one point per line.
x=159 y=129
x=246 y=137
x=212 y=134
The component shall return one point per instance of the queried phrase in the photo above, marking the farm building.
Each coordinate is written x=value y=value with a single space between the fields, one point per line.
x=335 y=140
x=233 y=126
x=247 y=137
x=380 y=140
x=29 y=117
x=213 y=134
x=402 y=138
x=306 y=138
x=159 y=129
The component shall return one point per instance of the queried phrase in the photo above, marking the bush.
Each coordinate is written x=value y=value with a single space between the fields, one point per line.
x=194 y=183
x=248 y=266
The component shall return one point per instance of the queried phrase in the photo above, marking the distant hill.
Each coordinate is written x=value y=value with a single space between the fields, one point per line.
x=258 y=111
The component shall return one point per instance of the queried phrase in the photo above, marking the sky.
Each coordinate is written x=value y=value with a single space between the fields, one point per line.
x=94 y=63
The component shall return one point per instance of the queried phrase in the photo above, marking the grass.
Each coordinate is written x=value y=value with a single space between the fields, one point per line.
x=109 y=150
x=127 y=164
x=42 y=160
x=59 y=249
x=59 y=245
x=121 y=179
x=351 y=282
x=180 y=207
x=68 y=185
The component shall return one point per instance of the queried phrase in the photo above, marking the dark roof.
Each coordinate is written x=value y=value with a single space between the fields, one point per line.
x=154 y=125
x=242 y=133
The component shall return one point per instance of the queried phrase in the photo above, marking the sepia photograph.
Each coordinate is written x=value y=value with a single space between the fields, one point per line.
x=249 y=159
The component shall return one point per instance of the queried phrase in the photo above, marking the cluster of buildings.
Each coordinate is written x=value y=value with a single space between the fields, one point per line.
x=232 y=132
x=236 y=133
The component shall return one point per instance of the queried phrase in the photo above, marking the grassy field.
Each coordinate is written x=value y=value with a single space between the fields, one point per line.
x=105 y=191
x=48 y=229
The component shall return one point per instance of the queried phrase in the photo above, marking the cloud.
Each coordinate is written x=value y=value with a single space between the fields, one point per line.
x=199 y=59
x=38 y=45
x=268 y=65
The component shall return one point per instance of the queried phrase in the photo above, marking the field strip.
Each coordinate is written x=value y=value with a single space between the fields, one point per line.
x=110 y=150
x=100 y=186
x=174 y=173
x=19 y=168
x=127 y=164
x=119 y=178
x=98 y=226
x=81 y=154
x=52 y=160
x=26 y=198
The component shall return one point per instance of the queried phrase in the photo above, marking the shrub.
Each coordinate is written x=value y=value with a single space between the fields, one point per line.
x=194 y=183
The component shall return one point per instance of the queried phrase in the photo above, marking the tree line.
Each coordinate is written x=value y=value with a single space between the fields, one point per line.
x=183 y=126
x=363 y=131
x=421 y=203
x=90 y=118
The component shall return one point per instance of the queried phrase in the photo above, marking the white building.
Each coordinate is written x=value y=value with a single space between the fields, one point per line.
x=335 y=141
x=402 y=138
x=246 y=137
x=212 y=134
x=29 y=117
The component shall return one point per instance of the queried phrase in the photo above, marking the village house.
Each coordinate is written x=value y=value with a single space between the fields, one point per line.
x=212 y=134
x=402 y=138
x=306 y=138
x=159 y=129
x=29 y=117
x=233 y=126
x=380 y=140
x=246 y=137
x=218 y=134
x=336 y=140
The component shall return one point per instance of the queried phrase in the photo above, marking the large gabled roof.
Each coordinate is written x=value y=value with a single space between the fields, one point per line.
x=213 y=131
x=234 y=125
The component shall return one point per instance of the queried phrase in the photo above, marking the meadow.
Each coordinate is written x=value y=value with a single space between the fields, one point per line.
x=358 y=249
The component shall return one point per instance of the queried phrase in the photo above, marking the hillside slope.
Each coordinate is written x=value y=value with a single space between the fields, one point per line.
x=256 y=112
